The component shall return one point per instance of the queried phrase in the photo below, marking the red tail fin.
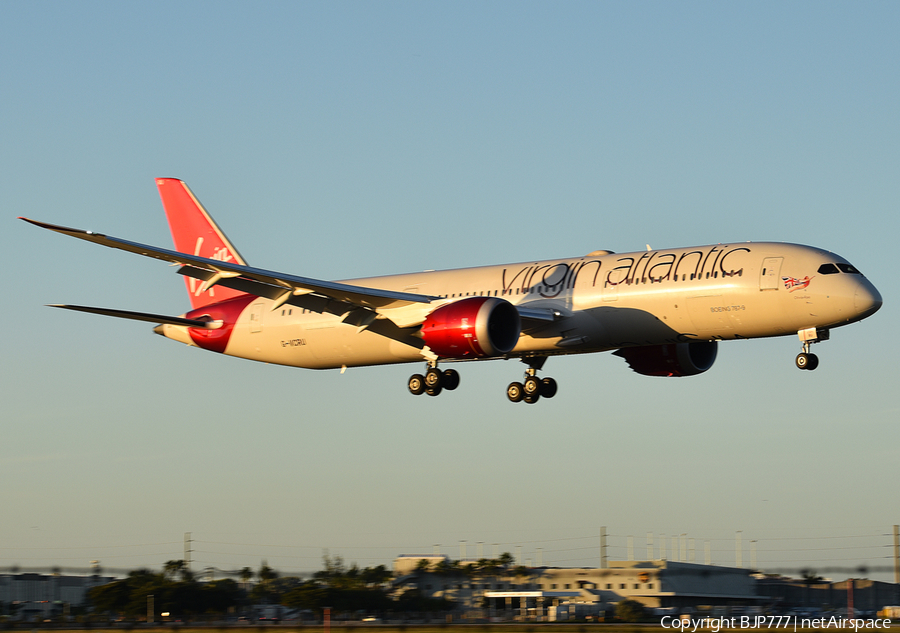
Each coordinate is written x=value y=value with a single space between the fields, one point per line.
x=195 y=232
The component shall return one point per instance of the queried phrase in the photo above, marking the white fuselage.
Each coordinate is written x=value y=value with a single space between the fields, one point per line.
x=603 y=301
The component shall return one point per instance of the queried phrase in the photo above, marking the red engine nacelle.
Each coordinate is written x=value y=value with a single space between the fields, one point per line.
x=473 y=328
x=677 y=359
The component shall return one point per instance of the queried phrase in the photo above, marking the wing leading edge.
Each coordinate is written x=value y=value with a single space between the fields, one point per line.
x=279 y=287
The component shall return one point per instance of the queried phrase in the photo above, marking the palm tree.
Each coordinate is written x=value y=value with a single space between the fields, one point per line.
x=172 y=567
x=266 y=574
x=423 y=566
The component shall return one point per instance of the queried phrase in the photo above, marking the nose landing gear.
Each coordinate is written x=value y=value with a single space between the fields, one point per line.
x=806 y=359
x=533 y=388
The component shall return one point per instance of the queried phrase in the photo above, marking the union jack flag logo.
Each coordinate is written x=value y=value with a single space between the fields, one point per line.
x=792 y=283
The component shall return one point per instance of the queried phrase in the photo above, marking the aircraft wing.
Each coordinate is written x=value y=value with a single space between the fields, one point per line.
x=280 y=286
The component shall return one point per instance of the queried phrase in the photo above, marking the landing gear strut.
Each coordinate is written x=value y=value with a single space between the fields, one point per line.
x=806 y=359
x=532 y=388
x=434 y=381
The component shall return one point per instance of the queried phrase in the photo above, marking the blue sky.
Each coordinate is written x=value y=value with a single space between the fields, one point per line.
x=337 y=140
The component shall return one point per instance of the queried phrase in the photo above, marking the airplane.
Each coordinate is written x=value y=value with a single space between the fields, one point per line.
x=663 y=311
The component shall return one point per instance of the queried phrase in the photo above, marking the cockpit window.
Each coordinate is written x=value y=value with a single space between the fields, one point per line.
x=847 y=268
x=828 y=269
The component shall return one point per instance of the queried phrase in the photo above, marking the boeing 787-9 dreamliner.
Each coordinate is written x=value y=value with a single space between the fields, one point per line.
x=663 y=311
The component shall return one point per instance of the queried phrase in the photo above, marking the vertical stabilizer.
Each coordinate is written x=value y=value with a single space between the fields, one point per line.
x=195 y=232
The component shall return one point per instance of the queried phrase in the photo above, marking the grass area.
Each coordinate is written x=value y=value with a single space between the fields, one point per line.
x=413 y=628
x=378 y=628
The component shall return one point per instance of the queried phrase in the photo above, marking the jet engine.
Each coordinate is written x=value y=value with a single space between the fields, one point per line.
x=676 y=359
x=476 y=327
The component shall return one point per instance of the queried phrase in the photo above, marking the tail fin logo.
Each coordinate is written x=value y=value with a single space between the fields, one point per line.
x=194 y=231
x=220 y=254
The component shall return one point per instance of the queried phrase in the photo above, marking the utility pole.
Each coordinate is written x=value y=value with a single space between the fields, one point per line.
x=649 y=545
x=897 y=554
x=603 y=547
x=187 y=551
x=738 y=553
x=850 y=598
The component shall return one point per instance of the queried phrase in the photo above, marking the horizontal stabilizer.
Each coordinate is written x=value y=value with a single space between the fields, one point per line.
x=144 y=316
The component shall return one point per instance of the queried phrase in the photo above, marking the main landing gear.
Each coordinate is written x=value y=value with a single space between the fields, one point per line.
x=434 y=381
x=806 y=359
x=533 y=388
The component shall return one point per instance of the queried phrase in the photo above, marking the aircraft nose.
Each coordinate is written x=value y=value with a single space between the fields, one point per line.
x=867 y=300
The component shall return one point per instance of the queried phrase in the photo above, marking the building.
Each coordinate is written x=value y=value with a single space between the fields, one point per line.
x=406 y=564
x=656 y=584
x=32 y=596
x=865 y=596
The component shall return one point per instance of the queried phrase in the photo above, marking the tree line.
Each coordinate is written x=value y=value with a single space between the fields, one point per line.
x=177 y=591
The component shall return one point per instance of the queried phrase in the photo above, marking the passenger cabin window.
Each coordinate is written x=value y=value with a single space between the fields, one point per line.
x=828 y=269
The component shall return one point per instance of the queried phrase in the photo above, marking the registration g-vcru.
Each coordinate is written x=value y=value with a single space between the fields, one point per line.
x=663 y=311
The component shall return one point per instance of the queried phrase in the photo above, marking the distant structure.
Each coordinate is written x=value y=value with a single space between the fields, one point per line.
x=38 y=595
x=868 y=596
x=583 y=590
x=565 y=593
x=406 y=564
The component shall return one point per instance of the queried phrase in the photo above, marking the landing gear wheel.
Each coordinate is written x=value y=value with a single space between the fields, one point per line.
x=813 y=362
x=433 y=379
x=416 y=384
x=515 y=392
x=531 y=398
x=450 y=379
x=532 y=386
x=548 y=387
x=434 y=391
x=807 y=361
